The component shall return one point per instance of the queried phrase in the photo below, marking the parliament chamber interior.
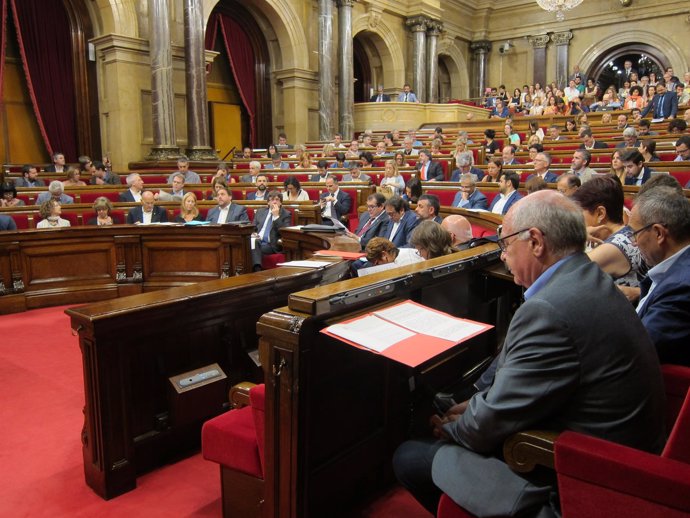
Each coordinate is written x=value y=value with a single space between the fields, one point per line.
x=290 y=259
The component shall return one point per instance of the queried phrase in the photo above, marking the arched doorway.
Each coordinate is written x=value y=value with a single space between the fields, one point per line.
x=362 y=72
x=243 y=26
x=608 y=68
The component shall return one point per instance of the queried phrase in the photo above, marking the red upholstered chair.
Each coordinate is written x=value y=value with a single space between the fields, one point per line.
x=235 y=440
x=271 y=261
x=598 y=478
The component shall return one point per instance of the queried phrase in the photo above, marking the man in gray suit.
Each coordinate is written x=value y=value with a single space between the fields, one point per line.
x=565 y=365
x=226 y=211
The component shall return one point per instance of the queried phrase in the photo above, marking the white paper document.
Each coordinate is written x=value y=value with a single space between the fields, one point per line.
x=306 y=264
x=422 y=320
x=371 y=332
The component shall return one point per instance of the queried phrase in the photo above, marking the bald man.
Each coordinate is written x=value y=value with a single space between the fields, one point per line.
x=459 y=229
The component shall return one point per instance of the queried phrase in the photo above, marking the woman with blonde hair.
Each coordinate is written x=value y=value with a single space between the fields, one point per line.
x=305 y=162
x=50 y=212
x=188 y=209
x=392 y=178
x=73 y=178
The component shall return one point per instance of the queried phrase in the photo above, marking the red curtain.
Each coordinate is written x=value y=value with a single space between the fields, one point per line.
x=45 y=46
x=242 y=61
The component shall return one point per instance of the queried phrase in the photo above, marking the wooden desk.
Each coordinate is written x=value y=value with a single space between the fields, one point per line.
x=74 y=265
x=335 y=413
x=302 y=245
x=132 y=345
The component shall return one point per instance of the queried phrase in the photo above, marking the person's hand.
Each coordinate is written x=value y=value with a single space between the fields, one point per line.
x=597 y=235
x=275 y=210
x=465 y=195
x=632 y=294
x=437 y=423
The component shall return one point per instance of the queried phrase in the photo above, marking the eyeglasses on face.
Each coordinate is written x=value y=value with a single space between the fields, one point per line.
x=636 y=233
x=503 y=241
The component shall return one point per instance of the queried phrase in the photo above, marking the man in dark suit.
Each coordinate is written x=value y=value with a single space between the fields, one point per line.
x=334 y=202
x=428 y=170
x=636 y=173
x=460 y=230
x=508 y=184
x=380 y=97
x=7 y=223
x=468 y=197
x=254 y=170
x=664 y=104
x=226 y=211
x=58 y=163
x=261 y=192
x=508 y=155
x=269 y=220
x=373 y=222
x=589 y=142
x=660 y=220
x=428 y=207
x=542 y=162
x=147 y=212
x=464 y=163
x=553 y=371
x=401 y=221
x=322 y=167
x=136 y=185
x=627 y=73
x=30 y=177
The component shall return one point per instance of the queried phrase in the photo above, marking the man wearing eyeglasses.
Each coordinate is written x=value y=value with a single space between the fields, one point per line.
x=565 y=364
x=373 y=222
x=660 y=221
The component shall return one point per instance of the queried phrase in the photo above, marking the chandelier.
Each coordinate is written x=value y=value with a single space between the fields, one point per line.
x=558 y=6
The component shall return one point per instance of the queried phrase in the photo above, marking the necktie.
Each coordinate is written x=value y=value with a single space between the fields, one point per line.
x=406 y=97
x=380 y=99
x=365 y=227
x=267 y=229
x=661 y=106
x=424 y=172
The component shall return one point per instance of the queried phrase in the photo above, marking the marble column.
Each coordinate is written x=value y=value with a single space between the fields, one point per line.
x=346 y=91
x=418 y=25
x=539 y=59
x=326 y=77
x=481 y=50
x=198 y=134
x=162 y=94
x=435 y=28
x=562 y=41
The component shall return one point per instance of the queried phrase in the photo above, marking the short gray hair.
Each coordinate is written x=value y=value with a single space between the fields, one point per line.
x=464 y=158
x=560 y=220
x=254 y=164
x=472 y=178
x=55 y=187
x=131 y=178
x=630 y=132
x=665 y=205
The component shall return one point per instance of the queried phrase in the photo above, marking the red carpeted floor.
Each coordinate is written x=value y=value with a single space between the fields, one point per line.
x=41 y=400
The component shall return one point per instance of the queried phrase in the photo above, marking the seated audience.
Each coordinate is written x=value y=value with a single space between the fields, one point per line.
x=660 y=223
x=636 y=173
x=459 y=229
x=30 y=177
x=335 y=203
x=226 y=211
x=507 y=187
x=542 y=162
x=223 y=173
x=392 y=179
x=8 y=195
x=431 y=240
x=401 y=221
x=101 y=175
x=494 y=170
x=356 y=174
x=136 y=186
x=176 y=193
x=268 y=221
x=568 y=183
x=616 y=254
x=617 y=168
x=373 y=222
x=677 y=126
x=629 y=138
x=429 y=170
x=413 y=190
x=58 y=163
x=468 y=197
x=534 y=184
x=102 y=207
x=216 y=183
x=580 y=165
x=261 y=191
x=148 y=212
x=464 y=161
x=589 y=142
x=277 y=162
x=183 y=167
x=647 y=148
x=380 y=250
x=73 y=176
x=254 y=171
x=293 y=190
x=490 y=145
x=683 y=149
x=55 y=191
x=428 y=208
x=188 y=209
x=322 y=174
x=50 y=211
x=553 y=372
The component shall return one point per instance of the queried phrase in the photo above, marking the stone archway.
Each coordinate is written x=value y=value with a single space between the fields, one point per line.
x=383 y=51
x=453 y=60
